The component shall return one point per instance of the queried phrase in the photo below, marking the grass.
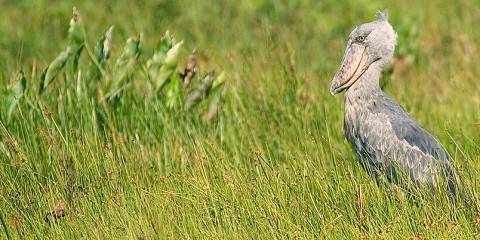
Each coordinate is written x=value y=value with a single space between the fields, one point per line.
x=272 y=164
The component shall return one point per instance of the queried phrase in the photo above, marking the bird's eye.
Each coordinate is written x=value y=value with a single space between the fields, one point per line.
x=360 y=38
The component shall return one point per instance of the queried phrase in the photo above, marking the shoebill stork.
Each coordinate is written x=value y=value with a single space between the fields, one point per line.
x=387 y=140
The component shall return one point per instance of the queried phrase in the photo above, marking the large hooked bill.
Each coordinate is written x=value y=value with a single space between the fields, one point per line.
x=354 y=64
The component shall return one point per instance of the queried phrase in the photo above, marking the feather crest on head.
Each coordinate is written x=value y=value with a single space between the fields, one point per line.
x=382 y=15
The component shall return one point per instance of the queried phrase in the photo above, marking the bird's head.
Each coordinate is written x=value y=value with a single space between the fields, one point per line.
x=368 y=43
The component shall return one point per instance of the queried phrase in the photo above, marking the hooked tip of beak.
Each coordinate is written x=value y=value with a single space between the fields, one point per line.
x=333 y=91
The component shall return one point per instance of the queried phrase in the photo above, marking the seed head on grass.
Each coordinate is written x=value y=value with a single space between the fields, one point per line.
x=191 y=68
x=106 y=45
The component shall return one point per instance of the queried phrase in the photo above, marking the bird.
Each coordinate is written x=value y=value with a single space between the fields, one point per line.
x=388 y=142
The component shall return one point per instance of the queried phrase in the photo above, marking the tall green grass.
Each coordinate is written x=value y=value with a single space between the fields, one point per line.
x=128 y=161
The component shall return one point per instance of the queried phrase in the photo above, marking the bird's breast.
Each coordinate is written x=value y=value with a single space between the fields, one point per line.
x=360 y=124
x=356 y=111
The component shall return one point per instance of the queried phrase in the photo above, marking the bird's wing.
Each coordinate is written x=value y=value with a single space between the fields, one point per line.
x=406 y=128
x=377 y=138
x=392 y=136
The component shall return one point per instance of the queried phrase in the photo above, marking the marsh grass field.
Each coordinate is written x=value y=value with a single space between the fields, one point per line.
x=267 y=161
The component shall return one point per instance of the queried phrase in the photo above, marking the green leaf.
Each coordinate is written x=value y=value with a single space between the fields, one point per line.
x=15 y=94
x=171 y=59
x=219 y=80
x=54 y=68
x=102 y=54
x=169 y=67
x=174 y=94
x=72 y=63
x=76 y=40
x=124 y=67
x=76 y=37
x=158 y=59
x=130 y=51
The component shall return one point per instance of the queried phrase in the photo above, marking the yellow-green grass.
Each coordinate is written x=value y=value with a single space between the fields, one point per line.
x=273 y=165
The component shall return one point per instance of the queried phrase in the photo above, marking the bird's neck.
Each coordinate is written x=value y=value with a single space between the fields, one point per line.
x=368 y=84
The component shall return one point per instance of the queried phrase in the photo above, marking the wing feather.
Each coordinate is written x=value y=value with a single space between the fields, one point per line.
x=389 y=133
